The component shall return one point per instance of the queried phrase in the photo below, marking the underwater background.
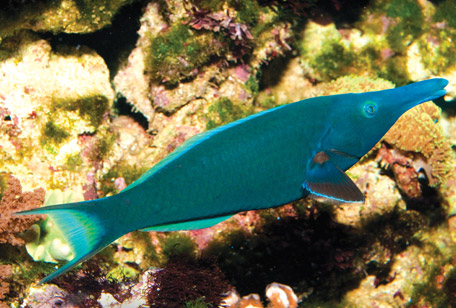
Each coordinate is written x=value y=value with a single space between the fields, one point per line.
x=94 y=93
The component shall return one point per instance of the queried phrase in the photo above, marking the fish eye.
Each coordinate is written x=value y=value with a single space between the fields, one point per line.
x=370 y=109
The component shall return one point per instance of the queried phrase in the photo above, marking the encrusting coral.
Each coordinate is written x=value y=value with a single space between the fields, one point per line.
x=354 y=84
x=14 y=200
x=418 y=132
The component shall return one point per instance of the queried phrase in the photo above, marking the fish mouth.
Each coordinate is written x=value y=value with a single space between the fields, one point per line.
x=430 y=89
x=435 y=95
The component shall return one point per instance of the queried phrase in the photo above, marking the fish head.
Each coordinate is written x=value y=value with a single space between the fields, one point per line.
x=358 y=121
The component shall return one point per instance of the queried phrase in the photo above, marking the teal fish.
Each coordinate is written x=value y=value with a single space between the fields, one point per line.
x=265 y=160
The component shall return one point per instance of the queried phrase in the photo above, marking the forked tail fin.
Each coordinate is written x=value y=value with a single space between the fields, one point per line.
x=85 y=227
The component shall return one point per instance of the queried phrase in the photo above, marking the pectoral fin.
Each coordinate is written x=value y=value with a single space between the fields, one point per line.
x=326 y=180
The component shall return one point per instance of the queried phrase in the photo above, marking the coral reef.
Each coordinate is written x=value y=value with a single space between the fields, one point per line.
x=67 y=16
x=381 y=199
x=332 y=60
x=190 y=59
x=387 y=41
x=428 y=265
x=130 y=80
x=49 y=295
x=49 y=98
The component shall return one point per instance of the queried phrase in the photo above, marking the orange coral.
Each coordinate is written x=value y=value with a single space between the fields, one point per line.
x=14 y=201
x=416 y=131
x=279 y=296
x=250 y=301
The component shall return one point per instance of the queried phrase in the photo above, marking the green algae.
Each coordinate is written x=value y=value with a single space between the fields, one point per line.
x=267 y=103
x=224 y=111
x=3 y=183
x=396 y=71
x=333 y=60
x=446 y=11
x=12 y=19
x=52 y=133
x=74 y=162
x=247 y=11
x=176 y=54
x=122 y=169
x=355 y=84
x=150 y=256
x=326 y=304
x=199 y=303
x=441 y=57
x=122 y=274
x=103 y=145
x=140 y=250
x=90 y=108
x=449 y=287
x=253 y=85
x=178 y=245
x=409 y=24
x=99 y=12
x=56 y=16
x=324 y=53
x=429 y=292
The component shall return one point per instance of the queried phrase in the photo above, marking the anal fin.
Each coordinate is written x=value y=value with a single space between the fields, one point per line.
x=188 y=225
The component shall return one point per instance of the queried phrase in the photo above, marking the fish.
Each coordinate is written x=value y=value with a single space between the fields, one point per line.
x=265 y=160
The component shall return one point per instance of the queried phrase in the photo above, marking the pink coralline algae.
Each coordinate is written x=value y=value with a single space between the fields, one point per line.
x=219 y=21
x=238 y=32
x=402 y=165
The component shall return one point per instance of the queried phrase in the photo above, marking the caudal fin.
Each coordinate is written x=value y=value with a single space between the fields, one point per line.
x=84 y=227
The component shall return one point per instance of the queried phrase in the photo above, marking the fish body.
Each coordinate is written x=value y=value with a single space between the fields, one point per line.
x=265 y=160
